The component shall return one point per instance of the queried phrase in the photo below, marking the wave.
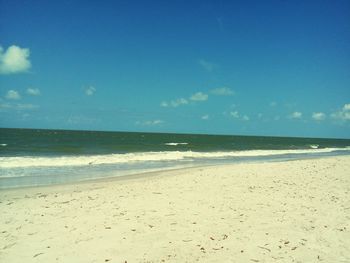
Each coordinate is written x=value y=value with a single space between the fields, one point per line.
x=3 y=144
x=314 y=146
x=35 y=161
x=175 y=143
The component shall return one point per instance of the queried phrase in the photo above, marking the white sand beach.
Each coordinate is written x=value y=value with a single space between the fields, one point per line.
x=294 y=211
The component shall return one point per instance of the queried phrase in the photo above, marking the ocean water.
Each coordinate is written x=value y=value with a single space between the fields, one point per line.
x=31 y=157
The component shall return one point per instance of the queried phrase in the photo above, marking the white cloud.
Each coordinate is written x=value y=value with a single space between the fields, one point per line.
x=13 y=95
x=174 y=103
x=234 y=114
x=318 y=116
x=343 y=114
x=33 y=91
x=14 y=60
x=224 y=91
x=346 y=107
x=17 y=106
x=245 y=118
x=296 y=115
x=208 y=66
x=149 y=123
x=26 y=106
x=238 y=116
x=90 y=91
x=178 y=102
x=199 y=96
x=205 y=117
x=5 y=105
x=156 y=122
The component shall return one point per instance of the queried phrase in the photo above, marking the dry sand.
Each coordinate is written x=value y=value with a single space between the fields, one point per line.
x=296 y=211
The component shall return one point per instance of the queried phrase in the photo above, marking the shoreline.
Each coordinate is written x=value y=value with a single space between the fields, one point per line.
x=281 y=211
x=138 y=175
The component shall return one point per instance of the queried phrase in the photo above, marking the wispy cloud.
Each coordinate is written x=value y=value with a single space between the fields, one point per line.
x=13 y=95
x=238 y=116
x=318 y=116
x=149 y=122
x=343 y=114
x=199 y=96
x=174 y=103
x=245 y=118
x=4 y=105
x=223 y=91
x=17 y=106
x=296 y=115
x=205 y=117
x=33 y=91
x=273 y=103
x=90 y=91
x=14 y=60
x=234 y=114
x=208 y=66
x=26 y=106
x=164 y=104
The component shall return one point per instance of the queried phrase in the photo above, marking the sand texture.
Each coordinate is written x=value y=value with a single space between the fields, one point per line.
x=295 y=211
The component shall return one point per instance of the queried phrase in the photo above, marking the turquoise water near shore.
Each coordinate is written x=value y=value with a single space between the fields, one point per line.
x=30 y=157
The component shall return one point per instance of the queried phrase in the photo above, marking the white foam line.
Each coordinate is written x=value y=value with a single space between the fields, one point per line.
x=175 y=143
x=32 y=161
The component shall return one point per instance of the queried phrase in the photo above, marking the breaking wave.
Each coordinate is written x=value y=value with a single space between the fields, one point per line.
x=84 y=160
x=175 y=143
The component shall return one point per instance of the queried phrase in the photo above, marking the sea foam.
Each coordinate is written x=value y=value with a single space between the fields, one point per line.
x=175 y=143
x=83 y=160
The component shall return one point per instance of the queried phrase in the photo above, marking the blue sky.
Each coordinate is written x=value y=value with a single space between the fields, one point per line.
x=224 y=67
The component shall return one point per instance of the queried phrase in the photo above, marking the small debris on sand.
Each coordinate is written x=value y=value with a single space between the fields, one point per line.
x=37 y=255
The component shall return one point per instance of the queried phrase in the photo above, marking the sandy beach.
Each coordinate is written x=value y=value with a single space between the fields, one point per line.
x=295 y=211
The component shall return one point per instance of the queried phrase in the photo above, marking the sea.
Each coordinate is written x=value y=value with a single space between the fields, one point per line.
x=37 y=157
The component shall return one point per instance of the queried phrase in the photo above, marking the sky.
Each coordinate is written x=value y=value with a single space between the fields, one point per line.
x=271 y=68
